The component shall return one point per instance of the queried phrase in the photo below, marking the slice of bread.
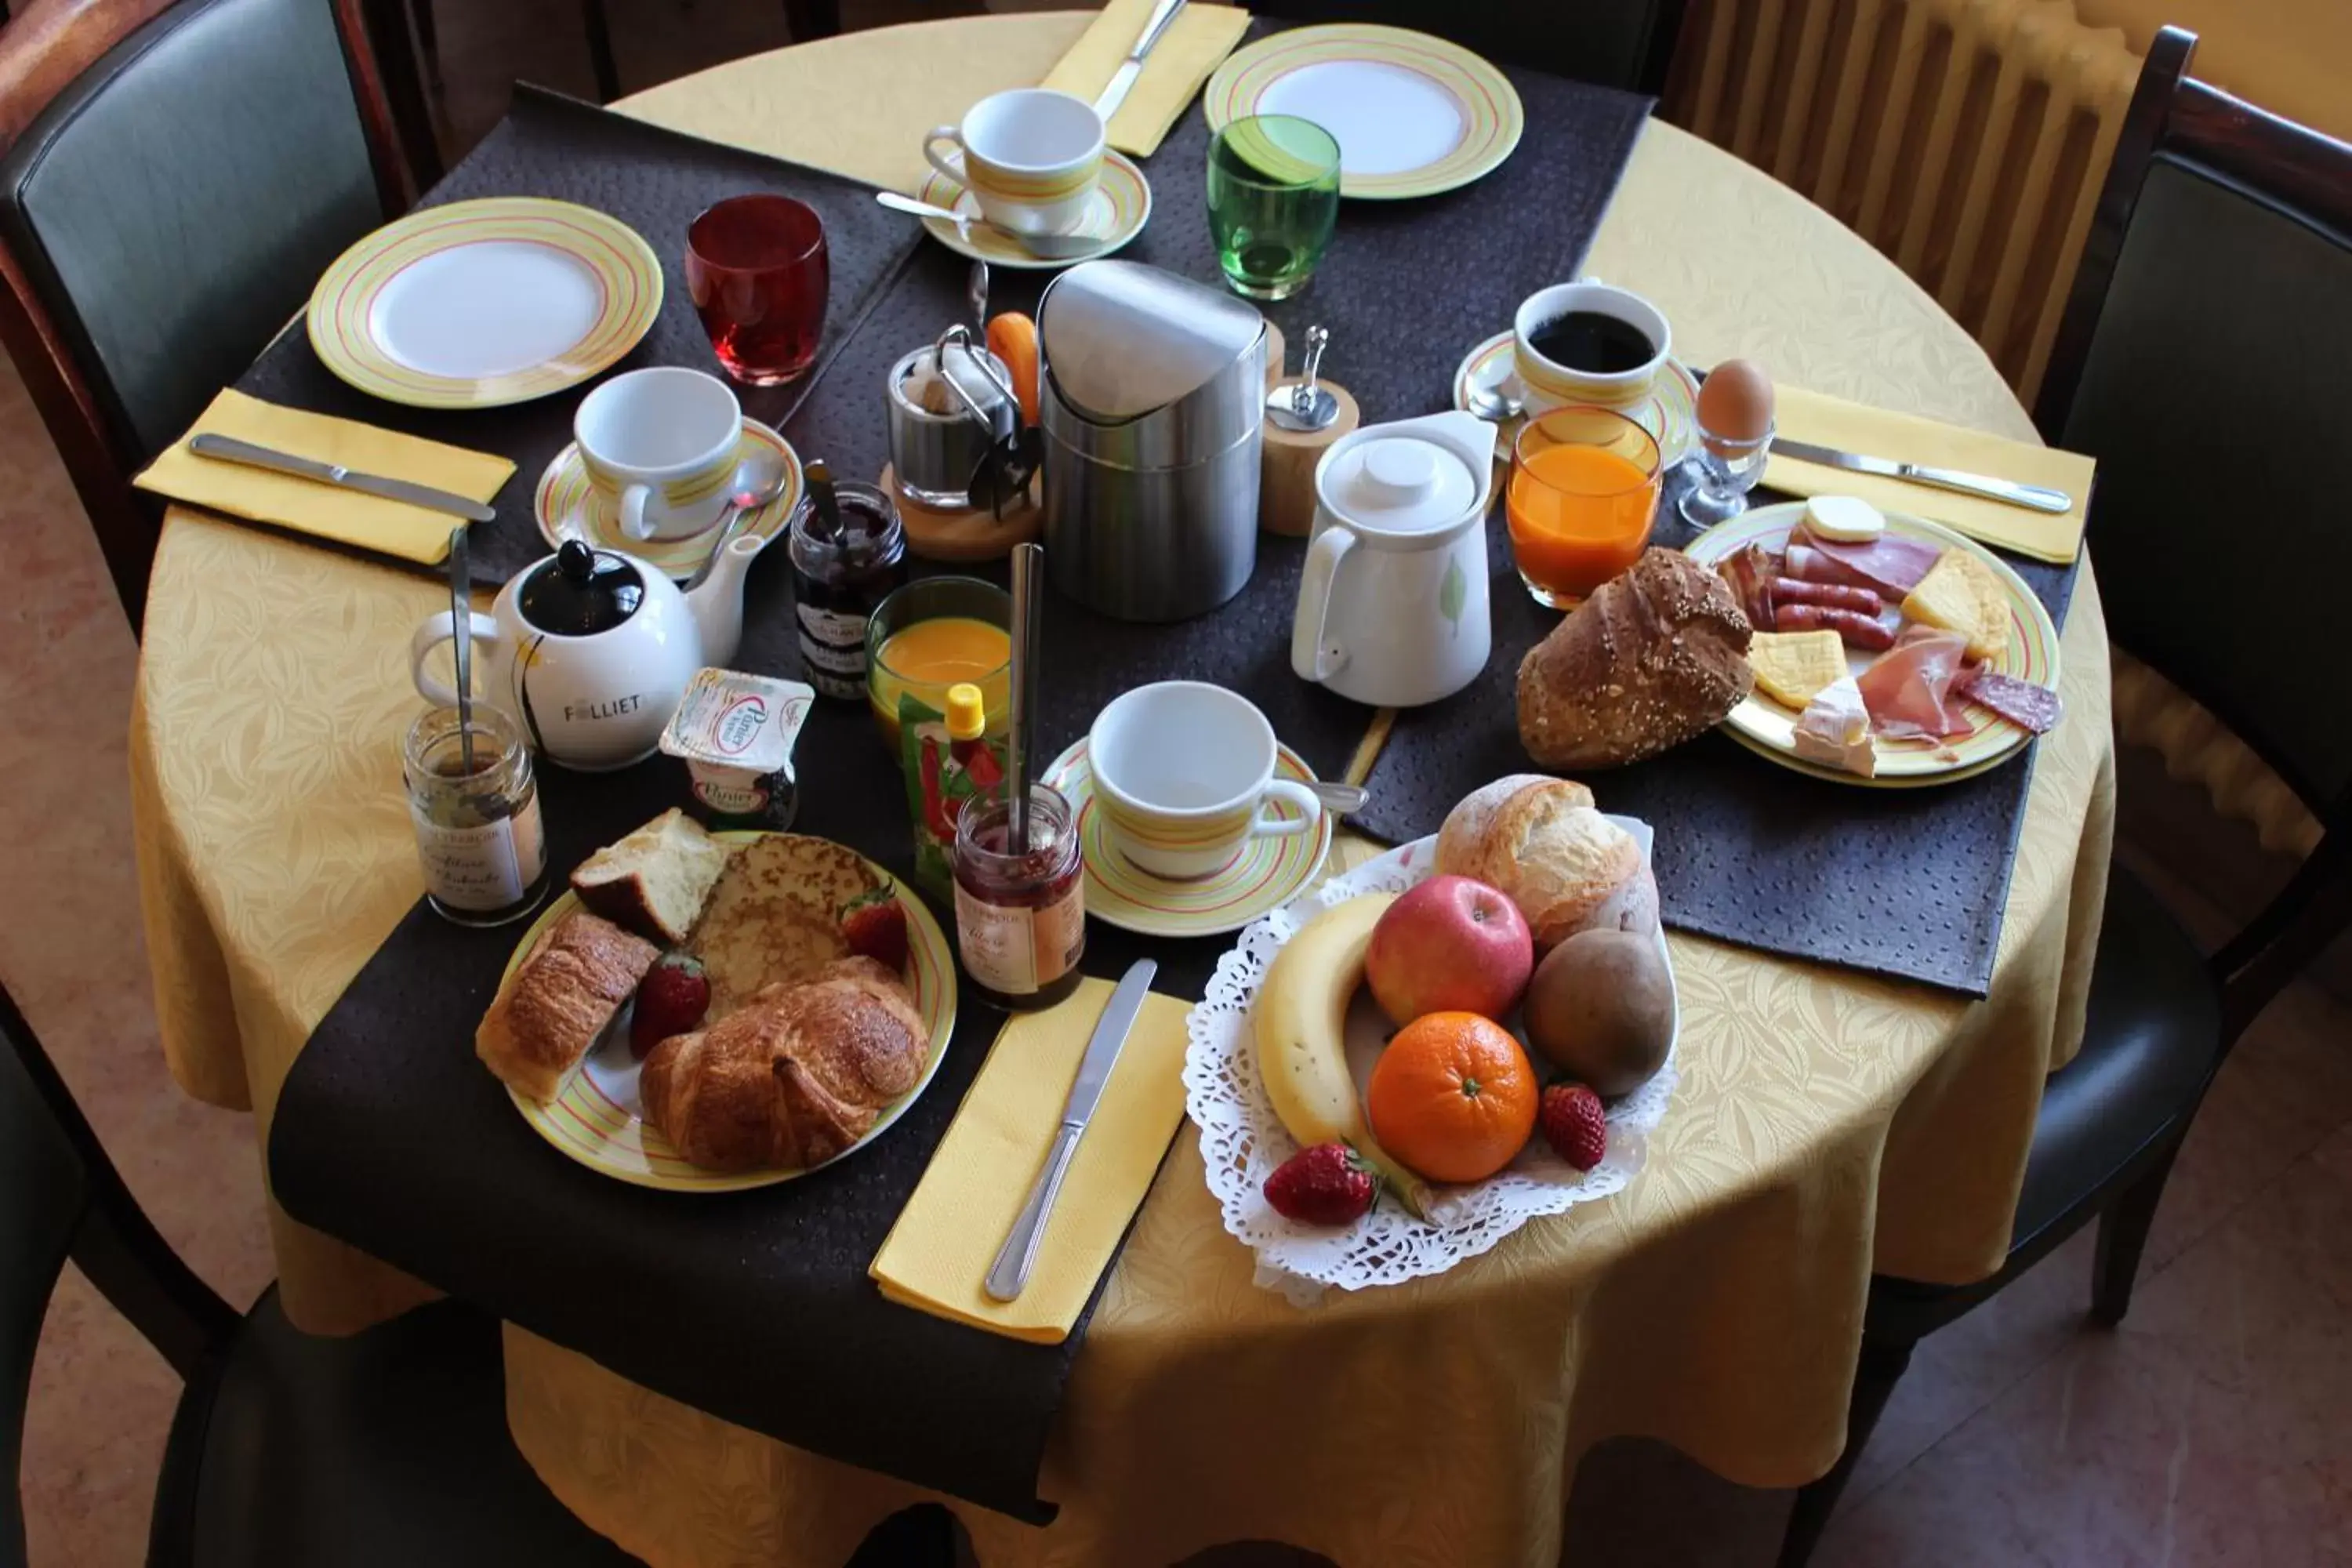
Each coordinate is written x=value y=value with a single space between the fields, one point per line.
x=654 y=880
x=1961 y=594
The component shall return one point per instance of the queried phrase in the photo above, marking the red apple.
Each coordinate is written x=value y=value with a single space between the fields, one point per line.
x=1452 y=944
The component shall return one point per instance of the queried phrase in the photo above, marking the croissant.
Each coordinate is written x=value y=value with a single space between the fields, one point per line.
x=1658 y=655
x=794 y=1077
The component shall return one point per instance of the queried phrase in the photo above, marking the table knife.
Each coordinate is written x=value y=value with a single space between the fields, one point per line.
x=1009 y=1275
x=1130 y=68
x=229 y=449
x=2039 y=498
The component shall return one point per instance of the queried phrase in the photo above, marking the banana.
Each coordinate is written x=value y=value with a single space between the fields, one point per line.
x=1300 y=1022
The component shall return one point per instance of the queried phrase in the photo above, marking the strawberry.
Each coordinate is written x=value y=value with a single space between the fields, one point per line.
x=1574 y=1124
x=875 y=927
x=671 y=999
x=1327 y=1185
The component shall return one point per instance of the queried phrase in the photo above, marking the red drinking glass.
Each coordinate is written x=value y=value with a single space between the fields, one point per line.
x=758 y=271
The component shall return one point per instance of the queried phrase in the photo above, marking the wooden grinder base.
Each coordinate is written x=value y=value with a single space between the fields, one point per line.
x=1286 y=486
x=939 y=535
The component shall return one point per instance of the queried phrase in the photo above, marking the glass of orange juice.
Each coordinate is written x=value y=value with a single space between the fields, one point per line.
x=932 y=633
x=1583 y=493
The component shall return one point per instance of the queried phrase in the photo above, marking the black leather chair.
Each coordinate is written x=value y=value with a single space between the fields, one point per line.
x=181 y=175
x=2205 y=359
x=1613 y=43
x=389 y=1448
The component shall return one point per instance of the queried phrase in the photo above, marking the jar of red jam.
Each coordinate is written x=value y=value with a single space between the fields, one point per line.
x=1020 y=919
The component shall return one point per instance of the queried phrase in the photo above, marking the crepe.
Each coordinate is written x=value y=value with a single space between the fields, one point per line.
x=775 y=916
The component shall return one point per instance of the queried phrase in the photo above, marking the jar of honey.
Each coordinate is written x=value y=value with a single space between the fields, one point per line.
x=1021 y=918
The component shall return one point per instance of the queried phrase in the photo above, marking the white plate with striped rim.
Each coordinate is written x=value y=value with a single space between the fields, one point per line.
x=2030 y=653
x=598 y=1120
x=1264 y=875
x=485 y=303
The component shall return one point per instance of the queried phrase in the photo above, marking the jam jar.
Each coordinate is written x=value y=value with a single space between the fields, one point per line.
x=849 y=554
x=1020 y=919
x=476 y=811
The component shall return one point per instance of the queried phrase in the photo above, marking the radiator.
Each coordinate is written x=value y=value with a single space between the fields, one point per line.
x=1965 y=138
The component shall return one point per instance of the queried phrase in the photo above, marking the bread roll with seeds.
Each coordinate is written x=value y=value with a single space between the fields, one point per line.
x=1658 y=655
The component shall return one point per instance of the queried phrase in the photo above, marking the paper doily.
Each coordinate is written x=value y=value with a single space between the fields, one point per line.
x=1241 y=1141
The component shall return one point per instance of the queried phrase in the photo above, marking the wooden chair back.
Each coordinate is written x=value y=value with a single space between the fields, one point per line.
x=109 y=369
x=2205 y=359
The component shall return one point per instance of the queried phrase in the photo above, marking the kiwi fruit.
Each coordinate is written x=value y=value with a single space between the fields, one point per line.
x=1601 y=1008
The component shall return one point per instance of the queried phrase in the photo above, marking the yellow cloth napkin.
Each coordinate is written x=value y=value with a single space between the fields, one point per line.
x=1802 y=415
x=937 y=1254
x=1194 y=45
x=390 y=526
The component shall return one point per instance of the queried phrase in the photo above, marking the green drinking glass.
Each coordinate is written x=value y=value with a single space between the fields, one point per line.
x=1273 y=199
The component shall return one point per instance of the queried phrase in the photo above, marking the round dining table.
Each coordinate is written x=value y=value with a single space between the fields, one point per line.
x=1827 y=1124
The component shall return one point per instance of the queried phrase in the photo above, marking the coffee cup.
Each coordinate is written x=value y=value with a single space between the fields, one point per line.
x=1029 y=155
x=659 y=445
x=1184 y=776
x=1588 y=342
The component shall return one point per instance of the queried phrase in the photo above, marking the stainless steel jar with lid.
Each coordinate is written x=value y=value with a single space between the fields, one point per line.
x=1152 y=391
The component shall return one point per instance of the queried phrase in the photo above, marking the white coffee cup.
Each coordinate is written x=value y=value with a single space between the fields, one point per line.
x=660 y=444
x=1029 y=155
x=1184 y=775
x=1551 y=384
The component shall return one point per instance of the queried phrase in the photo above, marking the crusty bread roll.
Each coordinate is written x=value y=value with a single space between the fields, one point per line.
x=558 y=1000
x=794 y=1078
x=654 y=880
x=1658 y=655
x=1541 y=842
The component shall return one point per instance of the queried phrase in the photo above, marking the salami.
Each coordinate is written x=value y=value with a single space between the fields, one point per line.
x=1857 y=629
x=2021 y=702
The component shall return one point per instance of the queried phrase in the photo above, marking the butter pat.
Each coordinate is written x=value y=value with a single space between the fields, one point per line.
x=1843 y=520
x=1834 y=731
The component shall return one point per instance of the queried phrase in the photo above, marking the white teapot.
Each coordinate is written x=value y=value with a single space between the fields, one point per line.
x=1392 y=603
x=589 y=650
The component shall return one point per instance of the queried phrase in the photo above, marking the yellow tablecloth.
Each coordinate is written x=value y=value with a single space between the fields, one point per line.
x=1826 y=1122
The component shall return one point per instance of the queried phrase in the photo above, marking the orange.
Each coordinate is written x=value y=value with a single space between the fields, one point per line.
x=1452 y=1096
x=1012 y=338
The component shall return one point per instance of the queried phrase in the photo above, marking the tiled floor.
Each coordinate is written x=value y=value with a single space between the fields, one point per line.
x=2215 y=1428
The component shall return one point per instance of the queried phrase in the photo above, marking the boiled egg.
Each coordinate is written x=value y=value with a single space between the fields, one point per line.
x=1736 y=403
x=1843 y=520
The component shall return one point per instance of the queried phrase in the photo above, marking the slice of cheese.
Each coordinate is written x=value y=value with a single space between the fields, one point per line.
x=1793 y=667
x=1961 y=594
x=1834 y=731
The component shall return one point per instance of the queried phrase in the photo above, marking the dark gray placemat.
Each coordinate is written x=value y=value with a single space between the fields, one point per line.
x=655 y=180
x=390 y=1135
x=1906 y=882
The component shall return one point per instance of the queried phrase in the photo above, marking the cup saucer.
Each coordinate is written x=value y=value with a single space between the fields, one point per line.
x=1671 y=415
x=1117 y=211
x=564 y=493
x=1265 y=874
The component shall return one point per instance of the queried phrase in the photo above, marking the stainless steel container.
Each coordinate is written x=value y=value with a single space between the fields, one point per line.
x=1152 y=391
x=934 y=454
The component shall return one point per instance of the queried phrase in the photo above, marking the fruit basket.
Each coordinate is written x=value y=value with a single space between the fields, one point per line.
x=1243 y=1140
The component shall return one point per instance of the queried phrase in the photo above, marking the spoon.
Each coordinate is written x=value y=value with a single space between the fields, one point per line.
x=461 y=641
x=1044 y=247
x=1497 y=401
x=1342 y=798
x=759 y=480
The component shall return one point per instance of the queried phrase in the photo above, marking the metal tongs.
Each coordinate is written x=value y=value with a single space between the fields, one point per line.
x=1305 y=405
x=1003 y=475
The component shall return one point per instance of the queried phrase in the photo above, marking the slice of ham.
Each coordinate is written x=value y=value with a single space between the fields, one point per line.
x=1890 y=563
x=1807 y=565
x=2021 y=702
x=1908 y=690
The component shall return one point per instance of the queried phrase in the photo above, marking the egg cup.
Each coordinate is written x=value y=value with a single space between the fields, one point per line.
x=1728 y=470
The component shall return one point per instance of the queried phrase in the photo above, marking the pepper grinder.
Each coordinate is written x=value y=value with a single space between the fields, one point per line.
x=1304 y=415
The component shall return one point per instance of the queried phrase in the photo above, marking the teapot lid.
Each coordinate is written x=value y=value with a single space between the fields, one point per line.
x=578 y=591
x=1399 y=484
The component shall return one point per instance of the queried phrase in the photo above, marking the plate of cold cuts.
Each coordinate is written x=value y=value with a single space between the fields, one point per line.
x=1889 y=651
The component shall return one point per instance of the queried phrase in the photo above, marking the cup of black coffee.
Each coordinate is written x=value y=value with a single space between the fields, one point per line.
x=1588 y=342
